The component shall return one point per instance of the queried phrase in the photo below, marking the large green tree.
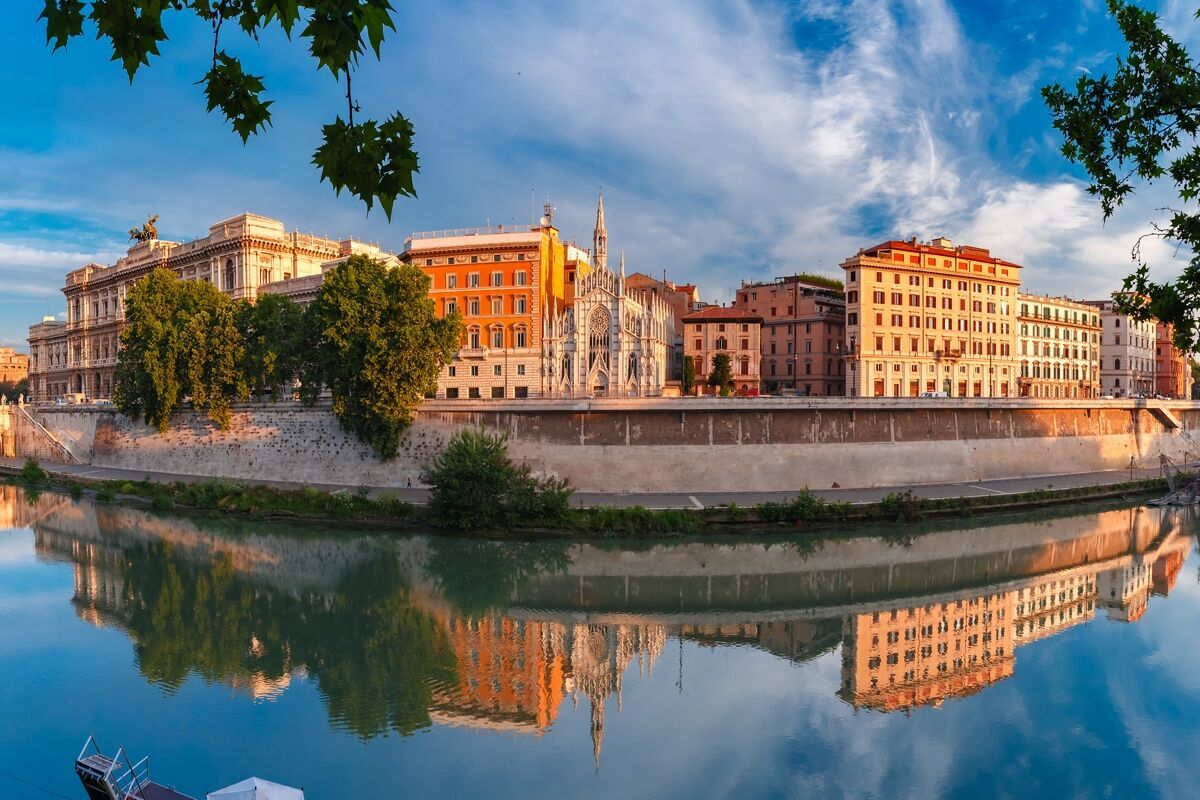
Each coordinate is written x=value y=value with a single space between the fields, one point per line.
x=180 y=340
x=374 y=341
x=272 y=333
x=372 y=160
x=1140 y=124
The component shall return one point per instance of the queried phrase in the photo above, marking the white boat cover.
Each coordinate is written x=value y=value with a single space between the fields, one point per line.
x=256 y=789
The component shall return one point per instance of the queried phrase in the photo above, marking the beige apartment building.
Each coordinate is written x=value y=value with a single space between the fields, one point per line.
x=1058 y=342
x=720 y=329
x=803 y=336
x=14 y=366
x=1127 y=355
x=930 y=317
x=238 y=256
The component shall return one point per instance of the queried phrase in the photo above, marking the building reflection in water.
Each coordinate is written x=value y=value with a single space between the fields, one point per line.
x=389 y=650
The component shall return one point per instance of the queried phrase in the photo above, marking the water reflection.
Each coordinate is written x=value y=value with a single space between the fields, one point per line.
x=399 y=634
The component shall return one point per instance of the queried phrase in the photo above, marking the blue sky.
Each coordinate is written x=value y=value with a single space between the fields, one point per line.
x=734 y=140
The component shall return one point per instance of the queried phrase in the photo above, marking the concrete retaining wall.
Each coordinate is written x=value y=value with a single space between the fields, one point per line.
x=684 y=445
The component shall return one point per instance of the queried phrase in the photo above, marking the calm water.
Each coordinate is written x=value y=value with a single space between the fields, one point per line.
x=1054 y=657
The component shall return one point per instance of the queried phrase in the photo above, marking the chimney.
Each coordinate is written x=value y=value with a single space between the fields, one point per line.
x=943 y=242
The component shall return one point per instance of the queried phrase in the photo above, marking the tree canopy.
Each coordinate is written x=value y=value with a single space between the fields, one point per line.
x=272 y=329
x=1140 y=124
x=373 y=339
x=180 y=339
x=374 y=161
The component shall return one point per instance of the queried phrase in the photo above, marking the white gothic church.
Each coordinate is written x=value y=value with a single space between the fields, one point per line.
x=606 y=344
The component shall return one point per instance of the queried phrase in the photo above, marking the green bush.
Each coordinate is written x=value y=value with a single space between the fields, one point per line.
x=32 y=473
x=75 y=489
x=475 y=486
x=105 y=494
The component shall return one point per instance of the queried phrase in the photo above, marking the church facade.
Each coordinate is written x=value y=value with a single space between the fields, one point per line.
x=605 y=343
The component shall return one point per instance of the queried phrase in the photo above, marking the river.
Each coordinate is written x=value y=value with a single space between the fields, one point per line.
x=1047 y=656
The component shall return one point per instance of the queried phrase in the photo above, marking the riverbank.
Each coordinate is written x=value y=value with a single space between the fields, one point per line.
x=795 y=512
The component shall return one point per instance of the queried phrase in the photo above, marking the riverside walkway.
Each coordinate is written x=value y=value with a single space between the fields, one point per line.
x=657 y=500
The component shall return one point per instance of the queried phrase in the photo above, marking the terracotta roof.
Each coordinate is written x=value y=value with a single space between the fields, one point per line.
x=722 y=314
x=960 y=251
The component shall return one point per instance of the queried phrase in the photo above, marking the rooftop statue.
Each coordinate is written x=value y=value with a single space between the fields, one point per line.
x=147 y=232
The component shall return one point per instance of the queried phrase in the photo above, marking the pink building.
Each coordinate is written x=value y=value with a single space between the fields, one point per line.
x=804 y=328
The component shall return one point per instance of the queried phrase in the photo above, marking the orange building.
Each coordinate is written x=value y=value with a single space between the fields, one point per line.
x=504 y=281
x=732 y=331
x=1172 y=373
x=930 y=317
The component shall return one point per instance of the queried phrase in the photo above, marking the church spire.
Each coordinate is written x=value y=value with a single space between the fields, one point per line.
x=600 y=237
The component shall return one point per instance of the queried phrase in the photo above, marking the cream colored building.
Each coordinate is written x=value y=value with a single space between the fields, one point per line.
x=1127 y=352
x=238 y=256
x=1058 y=343
x=930 y=317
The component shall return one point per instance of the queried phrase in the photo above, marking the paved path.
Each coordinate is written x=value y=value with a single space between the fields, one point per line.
x=661 y=500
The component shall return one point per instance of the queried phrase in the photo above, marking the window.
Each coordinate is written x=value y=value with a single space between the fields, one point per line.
x=497 y=305
x=450 y=260
x=473 y=279
x=521 y=391
x=496 y=257
x=452 y=394
x=473 y=307
x=497 y=370
x=521 y=341
x=451 y=281
x=452 y=371
x=519 y=277
x=497 y=279
x=519 y=305
x=520 y=369
x=451 y=306
x=474 y=259
x=497 y=339
x=474 y=370
x=473 y=343
x=473 y=393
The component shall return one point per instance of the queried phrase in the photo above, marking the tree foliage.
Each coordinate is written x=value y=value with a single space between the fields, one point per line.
x=688 y=379
x=475 y=486
x=179 y=340
x=12 y=390
x=721 y=374
x=373 y=161
x=272 y=329
x=1140 y=124
x=373 y=340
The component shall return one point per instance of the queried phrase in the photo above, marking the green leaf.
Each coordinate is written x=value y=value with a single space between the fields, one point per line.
x=134 y=27
x=336 y=27
x=373 y=162
x=238 y=95
x=64 y=20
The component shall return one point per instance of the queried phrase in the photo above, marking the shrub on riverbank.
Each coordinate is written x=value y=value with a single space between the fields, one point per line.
x=32 y=473
x=804 y=507
x=475 y=486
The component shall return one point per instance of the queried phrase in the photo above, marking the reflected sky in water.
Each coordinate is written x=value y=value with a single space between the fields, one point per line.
x=1048 y=656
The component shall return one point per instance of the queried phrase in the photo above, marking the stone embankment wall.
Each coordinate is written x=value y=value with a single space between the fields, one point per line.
x=683 y=445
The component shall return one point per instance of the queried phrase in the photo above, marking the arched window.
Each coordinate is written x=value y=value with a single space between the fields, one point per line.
x=722 y=343
x=229 y=275
x=520 y=336
x=473 y=337
x=633 y=365
x=1116 y=363
x=497 y=337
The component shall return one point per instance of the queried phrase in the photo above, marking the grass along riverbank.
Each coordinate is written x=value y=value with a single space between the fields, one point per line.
x=804 y=512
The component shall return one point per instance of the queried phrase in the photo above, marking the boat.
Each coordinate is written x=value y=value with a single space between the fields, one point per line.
x=118 y=777
x=1183 y=485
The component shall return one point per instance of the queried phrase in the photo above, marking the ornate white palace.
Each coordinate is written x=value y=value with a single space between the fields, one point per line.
x=606 y=343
